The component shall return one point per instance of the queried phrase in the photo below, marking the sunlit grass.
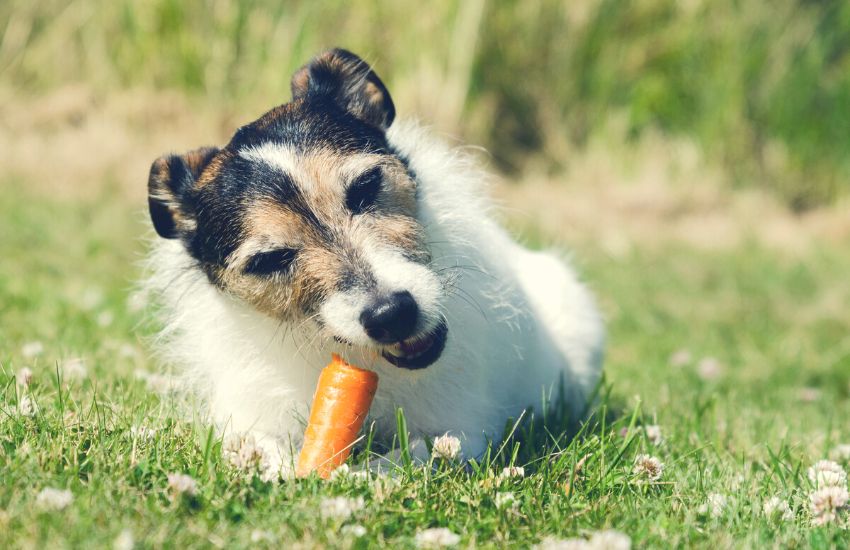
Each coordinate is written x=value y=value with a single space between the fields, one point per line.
x=747 y=432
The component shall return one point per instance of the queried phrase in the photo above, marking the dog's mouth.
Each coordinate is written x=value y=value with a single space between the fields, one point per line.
x=420 y=351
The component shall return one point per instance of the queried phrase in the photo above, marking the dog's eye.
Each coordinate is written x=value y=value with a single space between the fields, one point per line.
x=363 y=192
x=274 y=261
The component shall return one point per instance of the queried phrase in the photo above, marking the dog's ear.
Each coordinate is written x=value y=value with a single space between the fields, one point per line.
x=348 y=81
x=171 y=178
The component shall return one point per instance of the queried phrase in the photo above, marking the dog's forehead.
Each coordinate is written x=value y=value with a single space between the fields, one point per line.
x=304 y=125
x=298 y=146
x=291 y=166
x=316 y=174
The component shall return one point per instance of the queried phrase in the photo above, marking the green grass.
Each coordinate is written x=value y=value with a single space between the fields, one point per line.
x=777 y=325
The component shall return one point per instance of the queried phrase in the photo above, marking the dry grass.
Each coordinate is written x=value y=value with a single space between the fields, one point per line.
x=660 y=191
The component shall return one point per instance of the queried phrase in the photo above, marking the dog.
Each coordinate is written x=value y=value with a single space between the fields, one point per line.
x=327 y=226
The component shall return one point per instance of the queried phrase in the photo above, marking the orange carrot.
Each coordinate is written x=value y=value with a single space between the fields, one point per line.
x=342 y=400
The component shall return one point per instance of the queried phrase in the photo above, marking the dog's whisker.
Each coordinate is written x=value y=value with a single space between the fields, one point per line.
x=462 y=294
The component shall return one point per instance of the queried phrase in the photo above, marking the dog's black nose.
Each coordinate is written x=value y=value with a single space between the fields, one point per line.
x=390 y=319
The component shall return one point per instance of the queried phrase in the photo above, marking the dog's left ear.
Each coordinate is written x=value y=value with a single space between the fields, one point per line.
x=171 y=180
x=348 y=81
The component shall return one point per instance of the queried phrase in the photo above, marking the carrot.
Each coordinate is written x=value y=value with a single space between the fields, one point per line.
x=342 y=400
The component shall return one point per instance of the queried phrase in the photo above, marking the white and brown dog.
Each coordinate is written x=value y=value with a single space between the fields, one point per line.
x=323 y=227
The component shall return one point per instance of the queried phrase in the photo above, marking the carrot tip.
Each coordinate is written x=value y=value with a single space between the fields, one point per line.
x=343 y=396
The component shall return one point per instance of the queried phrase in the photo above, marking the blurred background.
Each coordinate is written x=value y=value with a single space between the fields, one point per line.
x=696 y=105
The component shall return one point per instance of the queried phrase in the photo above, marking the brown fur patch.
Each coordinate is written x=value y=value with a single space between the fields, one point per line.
x=211 y=171
x=373 y=94
x=274 y=223
x=198 y=159
x=330 y=240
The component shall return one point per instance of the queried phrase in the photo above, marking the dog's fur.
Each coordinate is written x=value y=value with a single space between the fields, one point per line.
x=276 y=244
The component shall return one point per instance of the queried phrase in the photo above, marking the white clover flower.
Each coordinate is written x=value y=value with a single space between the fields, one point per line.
x=74 y=369
x=648 y=467
x=162 y=383
x=681 y=358
x=653 y=433
x=27 y=406
x=54 y=499
x=360 y=475
x=271 y=472
x=341 y=472
x=340 y=508
x=353 y=531
x=124 y=541
x=258 y=535
x=714 y=506
x=104 y=318
x=609 y=539
x=32 y=349
x=827 y=503
x=809 y=395
x=70 y=417
x=709 y=368
x=512 y=471
x=182 y=484
x=446 y=447
x=826 y=473
x=436 y=537
x=242 y=451
x=841 y=452
x=776 y=508
x=23 y=377
x=383 y=486
x=91 y=298
x=551 y=543
x=158 y=383
x=137 y=301
x=344 y=471
x=506 y=500
x=126 y=351
x=142 y=433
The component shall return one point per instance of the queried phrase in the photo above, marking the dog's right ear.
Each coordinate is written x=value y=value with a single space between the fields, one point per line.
x=171 y=178
x=348 y=81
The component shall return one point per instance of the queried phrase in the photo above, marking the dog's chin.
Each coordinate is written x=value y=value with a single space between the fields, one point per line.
x=420 y=351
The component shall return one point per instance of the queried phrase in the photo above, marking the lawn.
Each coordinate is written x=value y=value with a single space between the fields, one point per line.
x=741 y=357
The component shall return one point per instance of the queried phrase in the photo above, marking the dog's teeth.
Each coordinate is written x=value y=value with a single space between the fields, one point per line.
x=395 y=351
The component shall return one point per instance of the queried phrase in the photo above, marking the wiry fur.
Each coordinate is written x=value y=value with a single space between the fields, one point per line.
x=520 y=323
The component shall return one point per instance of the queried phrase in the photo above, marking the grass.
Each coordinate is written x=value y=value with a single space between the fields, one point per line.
x=776 y=323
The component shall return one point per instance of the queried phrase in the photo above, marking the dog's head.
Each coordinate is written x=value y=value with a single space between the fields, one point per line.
x=309 y=214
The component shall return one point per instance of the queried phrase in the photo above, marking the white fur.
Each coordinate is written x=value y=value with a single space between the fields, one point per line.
x=519 y=322
x=274 y=154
